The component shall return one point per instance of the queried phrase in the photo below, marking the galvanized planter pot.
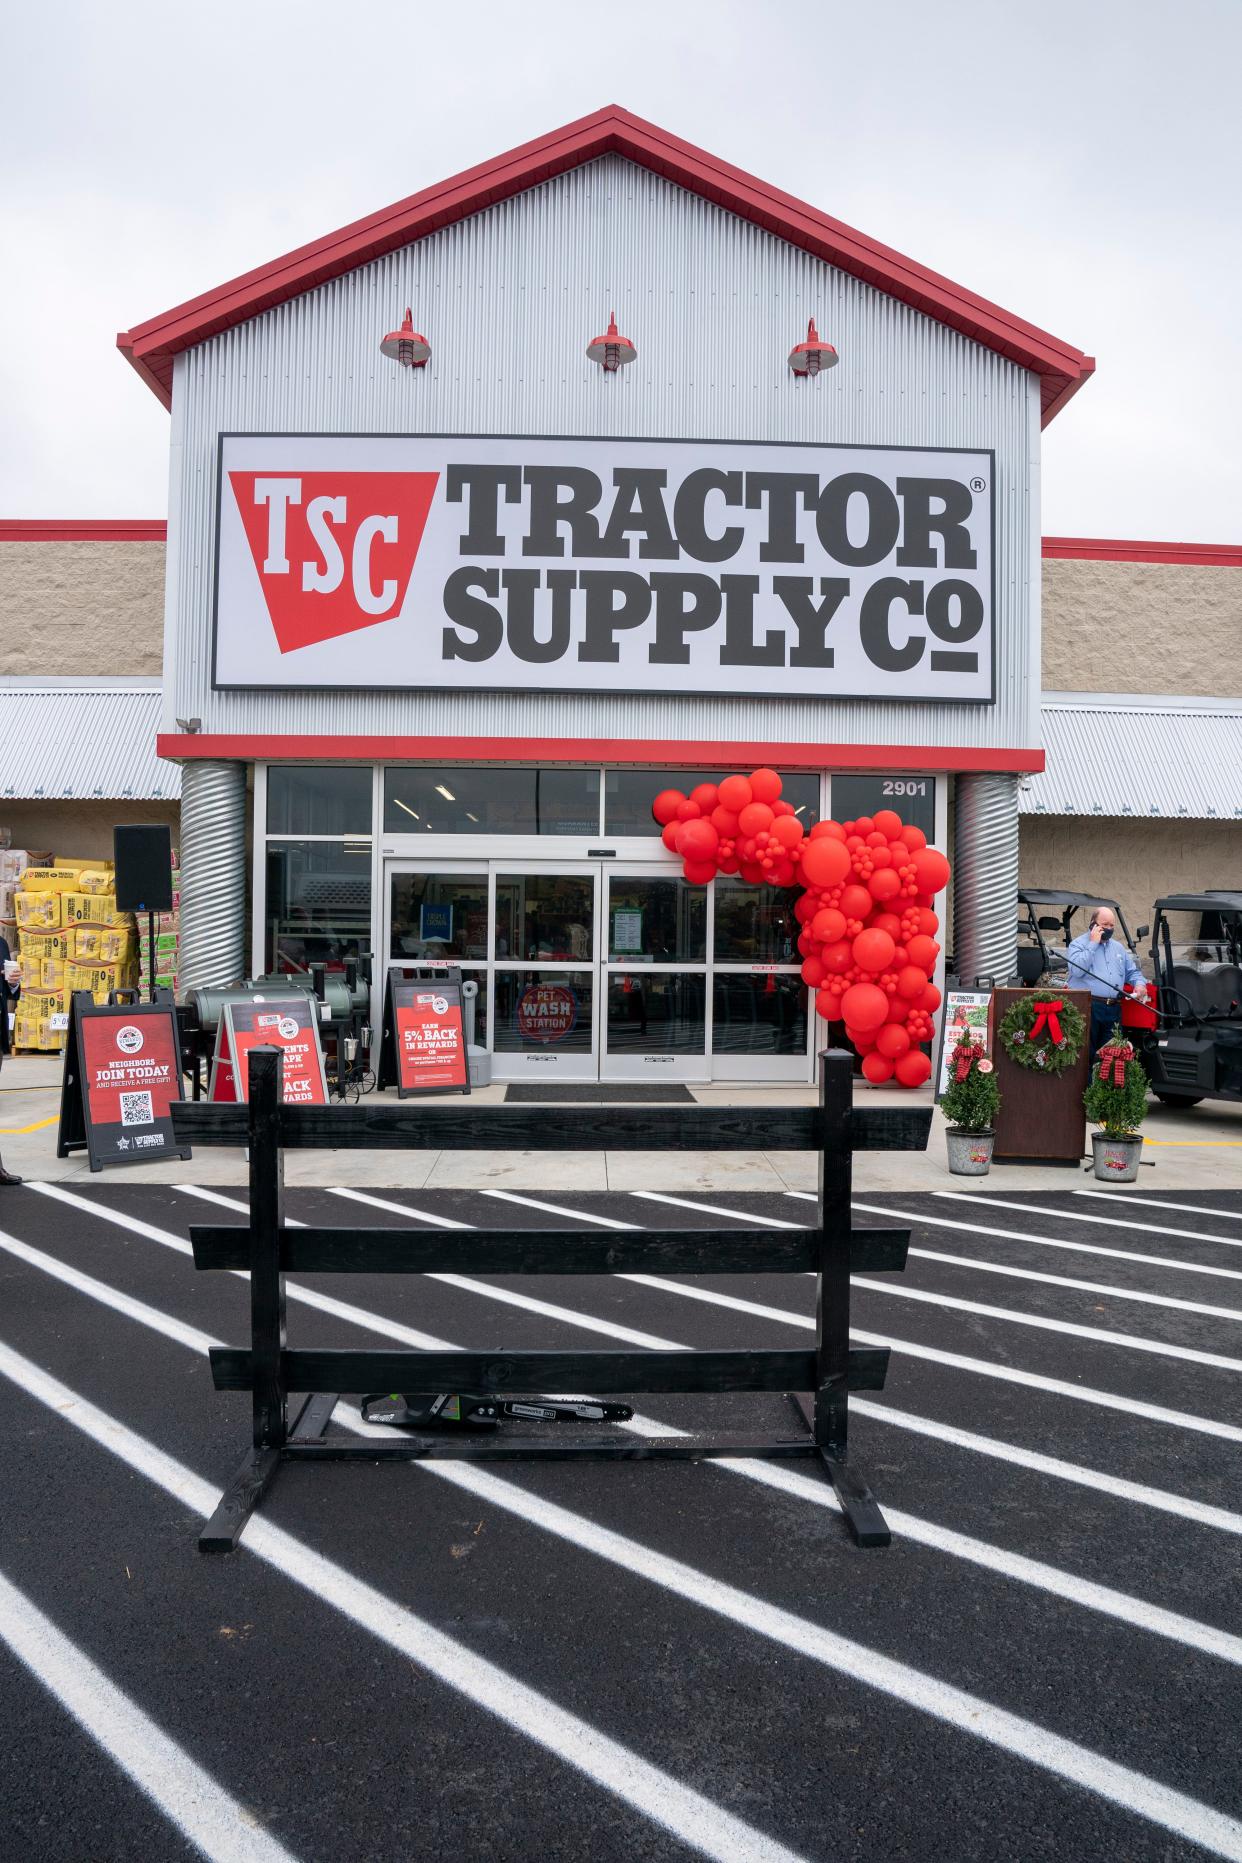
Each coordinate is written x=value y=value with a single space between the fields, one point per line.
x=1116 y=1159
x=970 y=1153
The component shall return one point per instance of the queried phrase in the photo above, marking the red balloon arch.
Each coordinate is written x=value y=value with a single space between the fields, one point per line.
x=868 y=938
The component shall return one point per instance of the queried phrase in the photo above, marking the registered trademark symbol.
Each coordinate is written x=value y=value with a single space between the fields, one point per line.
x=978 y=485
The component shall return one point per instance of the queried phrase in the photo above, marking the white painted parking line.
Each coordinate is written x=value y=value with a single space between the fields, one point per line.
x=614 y=1768
x=559 y=1209
x=400 y=1209
x=714 y=1209
x=1139 y=1613
x=967 y=1713
x=1162 y=1499
x=192 y=1801
x=1086 y=1287
x=1077 y=1216
x=1158 y=1203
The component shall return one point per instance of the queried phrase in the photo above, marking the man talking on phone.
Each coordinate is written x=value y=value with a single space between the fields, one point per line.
x=10 y=990
x=1099 y=963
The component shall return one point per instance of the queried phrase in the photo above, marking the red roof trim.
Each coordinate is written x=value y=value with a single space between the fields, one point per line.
x=151 y=346
x=83 y=530
x=1137 y=550
x=710 y=755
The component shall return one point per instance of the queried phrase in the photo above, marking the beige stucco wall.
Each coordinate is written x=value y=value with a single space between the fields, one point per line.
x=85 y=828
x=71 y=610
x=1133 y=862
x=1141 y=627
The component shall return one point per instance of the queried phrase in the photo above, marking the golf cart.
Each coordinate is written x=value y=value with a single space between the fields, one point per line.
x=1046 y=928
x=1195 y=1050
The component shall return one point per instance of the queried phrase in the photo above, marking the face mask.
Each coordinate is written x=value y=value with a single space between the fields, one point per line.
x=1106 y=934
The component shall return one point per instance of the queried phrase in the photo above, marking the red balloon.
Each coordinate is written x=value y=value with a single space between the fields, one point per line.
x=923 y=952
x=755 y=818
x=688 y=811
x=929 y=923
x=889 y=922
x=666 y=805
x=865 y=1007
x=788 y=830
x=828 y=1003
x=783 y=808
x=892 y=1040
x=828 y=925
x=873 y=949
x=698 y=840
x=887 y=823
x=699 y=872
x=705 y=795
x=838 y=957
x=914 y=838
x=913 y=1068
x=765 y=786
x=898 y=1007
x=752 y=872
x=726 y=863
x=813 y=972
x=734 y=793
x=931 y=869
x=884 y=884
x=864 y=825
x=828 y=831
x=670 y=833
x=783 y=871
x=929 y=1001
x=856 y=902
x=825 y=862
x=877 y=1068
x=911 y=982
x=805 y=909
x=724 y=821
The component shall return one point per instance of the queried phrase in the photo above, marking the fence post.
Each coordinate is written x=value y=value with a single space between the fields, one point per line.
x=830 y=1418
x=267 y=1283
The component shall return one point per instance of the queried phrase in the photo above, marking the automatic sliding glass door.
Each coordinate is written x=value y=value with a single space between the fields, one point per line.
x=655 y=1020
x=545 y=966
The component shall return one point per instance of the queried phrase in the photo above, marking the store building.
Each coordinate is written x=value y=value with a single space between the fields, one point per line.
x=423 y=678
x=449 y=743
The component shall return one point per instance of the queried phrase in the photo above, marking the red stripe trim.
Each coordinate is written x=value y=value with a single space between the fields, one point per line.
x=709 y=755
x=1137 y=550
x=83 y=530
x=150 y=346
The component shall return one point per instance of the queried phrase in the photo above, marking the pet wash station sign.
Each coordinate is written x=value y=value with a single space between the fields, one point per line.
x=604 y=565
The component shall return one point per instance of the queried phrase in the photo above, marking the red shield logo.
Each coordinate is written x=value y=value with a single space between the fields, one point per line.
x=333 y=551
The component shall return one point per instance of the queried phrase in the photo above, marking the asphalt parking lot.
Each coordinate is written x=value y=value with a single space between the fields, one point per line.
x=635 y=1660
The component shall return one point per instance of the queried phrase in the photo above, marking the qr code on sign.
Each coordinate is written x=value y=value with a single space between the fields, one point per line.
x=136 y=1109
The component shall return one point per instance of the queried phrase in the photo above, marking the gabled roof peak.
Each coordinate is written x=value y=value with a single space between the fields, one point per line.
x=613 y=130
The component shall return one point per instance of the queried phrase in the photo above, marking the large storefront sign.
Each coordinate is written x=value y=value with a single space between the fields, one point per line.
x=604 y=565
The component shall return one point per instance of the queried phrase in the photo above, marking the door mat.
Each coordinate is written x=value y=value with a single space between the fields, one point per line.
x=562 y=1093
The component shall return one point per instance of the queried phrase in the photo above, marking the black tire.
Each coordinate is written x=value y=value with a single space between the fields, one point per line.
x=1178 y=1099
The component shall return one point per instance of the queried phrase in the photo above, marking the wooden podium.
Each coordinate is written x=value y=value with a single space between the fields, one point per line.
x=1041 y=1119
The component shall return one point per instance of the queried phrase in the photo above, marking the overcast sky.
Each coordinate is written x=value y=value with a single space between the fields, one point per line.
x=1078 y=162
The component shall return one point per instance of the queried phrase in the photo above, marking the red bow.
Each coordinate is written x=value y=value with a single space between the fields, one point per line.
x=1113 y=1060
x=964 y=1055
x=1047 y=1015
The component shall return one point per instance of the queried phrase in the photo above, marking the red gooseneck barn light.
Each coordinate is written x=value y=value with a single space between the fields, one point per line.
x=406 y=346
x=612 y=350
x=810 y=357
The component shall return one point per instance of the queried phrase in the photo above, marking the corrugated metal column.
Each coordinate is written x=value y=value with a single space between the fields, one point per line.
x=985 y=876
x=213 y=874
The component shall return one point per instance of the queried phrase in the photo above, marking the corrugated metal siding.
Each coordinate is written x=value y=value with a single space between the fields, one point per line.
x=508 y=300
x=57 y=743
x=1135 y=760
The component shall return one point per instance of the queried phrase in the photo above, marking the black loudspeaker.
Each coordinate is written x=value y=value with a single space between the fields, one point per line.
x=143 y=858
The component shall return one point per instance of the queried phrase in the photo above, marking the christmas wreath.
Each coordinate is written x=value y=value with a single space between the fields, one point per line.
x=1043 y=1031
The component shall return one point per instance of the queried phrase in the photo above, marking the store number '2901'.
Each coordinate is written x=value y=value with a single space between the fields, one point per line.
x=895 y=787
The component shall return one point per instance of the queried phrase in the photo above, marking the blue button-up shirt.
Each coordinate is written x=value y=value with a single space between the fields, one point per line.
x=1102 y=968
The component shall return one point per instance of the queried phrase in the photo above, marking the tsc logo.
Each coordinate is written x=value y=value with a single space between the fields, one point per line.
x=129 y=1039
x=333 y=550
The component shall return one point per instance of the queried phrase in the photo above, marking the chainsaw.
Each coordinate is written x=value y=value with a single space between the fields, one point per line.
x=455 y=1410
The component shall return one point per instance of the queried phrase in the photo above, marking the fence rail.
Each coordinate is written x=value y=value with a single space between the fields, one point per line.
x=818 y=1378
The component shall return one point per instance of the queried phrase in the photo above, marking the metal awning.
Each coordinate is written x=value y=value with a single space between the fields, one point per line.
x=82 y=741
x=1151 y=759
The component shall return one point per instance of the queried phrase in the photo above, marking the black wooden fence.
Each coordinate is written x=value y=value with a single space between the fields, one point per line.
x=830 y=1248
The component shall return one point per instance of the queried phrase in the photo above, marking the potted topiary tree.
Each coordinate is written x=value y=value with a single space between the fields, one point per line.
x=971 y=1102
x=1116 y=1100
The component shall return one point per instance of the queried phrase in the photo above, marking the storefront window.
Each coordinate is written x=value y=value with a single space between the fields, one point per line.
x=318 y=798
x=657 y=1012
x=629 y=794
x=464 y=799
x=755 y=924
x=544 y=1011
x=657 y=921
x=911 y=797
x=318 y=904
x=758 y=1015
x=439 y=915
